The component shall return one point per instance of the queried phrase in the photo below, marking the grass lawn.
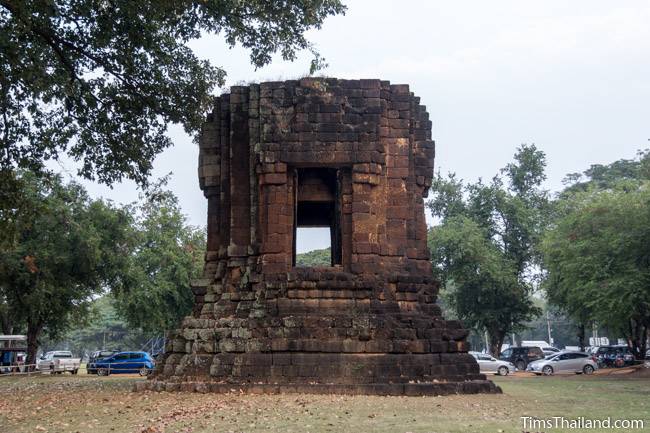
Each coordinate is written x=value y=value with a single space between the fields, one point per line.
x=94 y=404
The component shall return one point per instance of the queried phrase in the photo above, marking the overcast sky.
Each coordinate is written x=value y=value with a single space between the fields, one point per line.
x=571 y=77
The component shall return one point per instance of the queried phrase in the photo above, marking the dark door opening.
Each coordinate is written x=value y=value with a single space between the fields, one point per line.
x=318 y=205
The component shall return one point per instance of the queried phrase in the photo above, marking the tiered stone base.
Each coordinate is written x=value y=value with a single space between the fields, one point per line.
x=389 y=354
x=318 y=334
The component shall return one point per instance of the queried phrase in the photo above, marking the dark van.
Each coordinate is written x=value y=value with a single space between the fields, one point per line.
x=522 y=356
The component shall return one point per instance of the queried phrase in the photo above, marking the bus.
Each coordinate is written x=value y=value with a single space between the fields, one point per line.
x=13 y=353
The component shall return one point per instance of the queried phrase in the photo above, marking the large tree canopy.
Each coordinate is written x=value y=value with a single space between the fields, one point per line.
x=479 y=281
x=599 y=176
x=168 y=253
x=598 y=259
x=596 y=253
x=65 y=249
x=485 y=250
x=101 y=79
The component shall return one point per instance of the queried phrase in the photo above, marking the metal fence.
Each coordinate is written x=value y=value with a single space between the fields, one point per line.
x=103 y=370
x=19 y=369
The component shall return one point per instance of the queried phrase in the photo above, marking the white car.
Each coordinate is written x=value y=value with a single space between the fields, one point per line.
x=58 y=361
x=489 y=364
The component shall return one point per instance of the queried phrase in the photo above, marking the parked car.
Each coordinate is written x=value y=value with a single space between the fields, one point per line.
x=550 y=351
x=489 y=364
x=124 y=362
x=614 y=356
x=58 y=361
x=96 y=356
x=522 y=356
x=564 y=362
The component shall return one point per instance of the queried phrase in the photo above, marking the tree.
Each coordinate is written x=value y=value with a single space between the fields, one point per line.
x=482 y=287
x=598 y=260
x=492 y=265
x=66 y=248
x=101 y=80
x=601 y=177
x=624 y=175
x=314 y=258
x=167 y=255
x=102 y=330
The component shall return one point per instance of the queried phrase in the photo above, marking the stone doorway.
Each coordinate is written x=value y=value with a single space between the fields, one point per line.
x=317 y=203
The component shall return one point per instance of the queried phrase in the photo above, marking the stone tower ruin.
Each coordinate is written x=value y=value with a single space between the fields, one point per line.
x=355 y=156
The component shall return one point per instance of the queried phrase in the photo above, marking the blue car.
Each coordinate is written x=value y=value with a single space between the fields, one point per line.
x=124 y=362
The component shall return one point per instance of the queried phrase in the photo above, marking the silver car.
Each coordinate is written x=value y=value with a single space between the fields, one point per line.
x=489 y=364
x=564 y=362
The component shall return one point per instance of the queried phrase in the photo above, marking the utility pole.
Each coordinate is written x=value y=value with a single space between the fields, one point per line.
x=548 y=327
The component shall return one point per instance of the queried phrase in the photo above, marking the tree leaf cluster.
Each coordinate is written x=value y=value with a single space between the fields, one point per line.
x=104 y=329
x=100 y=80
x=67 y=249
x=168 y=254
x=597 y=253
x=485 y=250
x=314 y=258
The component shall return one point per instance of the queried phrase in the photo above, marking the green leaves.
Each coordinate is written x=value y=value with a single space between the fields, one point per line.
x=101 y=81
x=598 y=258
x=314 y=258
x=65 y=250
x=483 y=288
x=527 y=173
x=620 y=174
x=167 y=254
x=61 y=253
x=596 y=252
x=485 y=251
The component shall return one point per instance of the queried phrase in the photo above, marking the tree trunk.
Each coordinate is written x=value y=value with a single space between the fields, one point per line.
x=637 y=334
x=496 y=341
x=5 y=324
x=33 y=334
x=644 y=341
x=581 y=336
x=640 y=338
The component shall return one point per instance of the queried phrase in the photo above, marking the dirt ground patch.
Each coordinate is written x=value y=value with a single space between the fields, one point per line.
x=95 y=404
x=641 y=371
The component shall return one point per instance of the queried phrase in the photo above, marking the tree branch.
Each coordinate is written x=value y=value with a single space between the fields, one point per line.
x=56 y=42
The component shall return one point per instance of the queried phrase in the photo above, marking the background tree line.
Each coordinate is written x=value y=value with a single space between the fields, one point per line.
x=597 y=250
x=500 y=247
x=62 y=250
